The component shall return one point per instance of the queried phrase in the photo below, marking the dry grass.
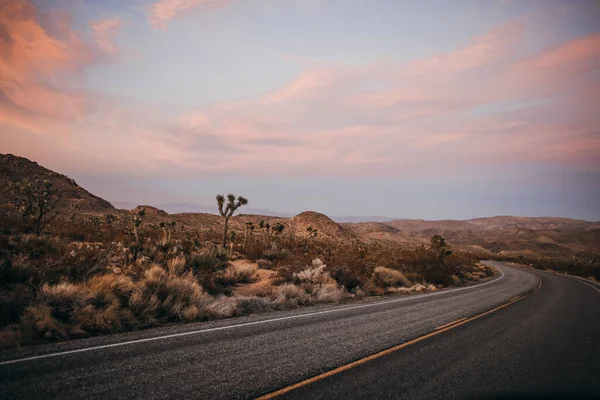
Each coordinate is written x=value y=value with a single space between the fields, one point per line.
x=387 y=277
x=241 y=273
x=314 y=274
x=58 y=289
x=161 y=295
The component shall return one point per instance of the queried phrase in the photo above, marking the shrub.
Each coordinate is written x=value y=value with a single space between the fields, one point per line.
x=314 y=274
x=252 y=304
x=347 y=279
x=240 y=273
x=10 y=338
x=208 y=263
x=163 y=296
x=264 y=264
x=326 y=293
x=289 y=296
x=386 y=277
x=221 y=307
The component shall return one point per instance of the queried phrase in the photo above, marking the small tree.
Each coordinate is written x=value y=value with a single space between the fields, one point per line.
x=137 y=218
x=439 y=246
x=110 y=219
x=95 y=221
x=229 y=209
x=311 y=232
x=248 y=232
x=38 y=201
x=277 y=228
x=73 y=211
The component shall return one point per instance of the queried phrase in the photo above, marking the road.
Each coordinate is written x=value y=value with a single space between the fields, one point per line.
x=547 y=340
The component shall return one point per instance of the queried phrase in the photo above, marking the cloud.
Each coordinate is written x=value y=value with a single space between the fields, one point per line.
x=40 y=67
x=482 y=103
x=165 y=10
x=105 y=32
x=424 y=112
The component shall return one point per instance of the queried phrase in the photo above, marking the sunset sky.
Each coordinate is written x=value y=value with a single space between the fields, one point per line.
x=409 y=109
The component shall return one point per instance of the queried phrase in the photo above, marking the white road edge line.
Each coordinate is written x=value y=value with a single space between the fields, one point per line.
x=587 y=283
x=376 y=303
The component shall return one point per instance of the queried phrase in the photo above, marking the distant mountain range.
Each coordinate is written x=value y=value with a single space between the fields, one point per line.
x=502 y=234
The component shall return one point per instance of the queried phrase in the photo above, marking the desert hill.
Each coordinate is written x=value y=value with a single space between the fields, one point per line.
x=502 y=234
x=15 y=169
x=541 y=235
x=326 y=226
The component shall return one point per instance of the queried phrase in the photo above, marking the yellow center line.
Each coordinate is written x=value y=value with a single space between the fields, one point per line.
x=365 y=360
x=450 y=323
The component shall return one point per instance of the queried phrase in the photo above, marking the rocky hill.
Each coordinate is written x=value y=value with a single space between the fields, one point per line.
x=325 y=226
x=15 y=169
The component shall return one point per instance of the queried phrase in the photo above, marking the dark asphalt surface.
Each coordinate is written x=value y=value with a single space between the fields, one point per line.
x=544 y=346
x=549 y=339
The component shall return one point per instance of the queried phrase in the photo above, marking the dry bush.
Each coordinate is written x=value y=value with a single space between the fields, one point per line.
x=326 y=292
x=221 y=307
x=387 y=277
x=289 y=296
x=455 y=280
x=176 y=266
x=10 y=338
x=244 y=273
x=314 y=274
x=38 y=322
x=264 y=264
x=253 y=304
x=162 y=296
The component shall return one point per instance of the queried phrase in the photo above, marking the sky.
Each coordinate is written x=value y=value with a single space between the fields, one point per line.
x=409 y=109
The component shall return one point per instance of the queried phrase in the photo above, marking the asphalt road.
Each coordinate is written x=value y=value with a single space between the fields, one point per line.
x=548 y=340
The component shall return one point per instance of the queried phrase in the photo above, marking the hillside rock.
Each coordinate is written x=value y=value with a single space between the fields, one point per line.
x=151 y=211
x=325 y=226
x=14 y=169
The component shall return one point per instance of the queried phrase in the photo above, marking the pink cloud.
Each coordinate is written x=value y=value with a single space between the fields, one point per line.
x=425 y=119
x=164 y=10
x=378 y=118
x=105 y=32
x=41 y=67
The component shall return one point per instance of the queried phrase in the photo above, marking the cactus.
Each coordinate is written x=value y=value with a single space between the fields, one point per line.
x=229 y=209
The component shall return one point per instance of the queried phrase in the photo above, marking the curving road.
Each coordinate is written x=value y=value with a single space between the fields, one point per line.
x=546 y=341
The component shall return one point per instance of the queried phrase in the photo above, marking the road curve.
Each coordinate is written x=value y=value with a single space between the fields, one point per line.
x=256 y=355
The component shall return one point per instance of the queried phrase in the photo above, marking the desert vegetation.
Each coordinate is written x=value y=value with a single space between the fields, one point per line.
x=86 y=273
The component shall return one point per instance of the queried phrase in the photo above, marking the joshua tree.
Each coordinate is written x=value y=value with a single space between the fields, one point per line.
x=94 y=221
x=110 y=219
x=277 y=228
x=38 y=201
x=248 y=232
x=232 y=237
x=311 y=232
x=137 y=221
x=73 y=211
x=230 y=207
x=438 y=245
x=167 y=232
